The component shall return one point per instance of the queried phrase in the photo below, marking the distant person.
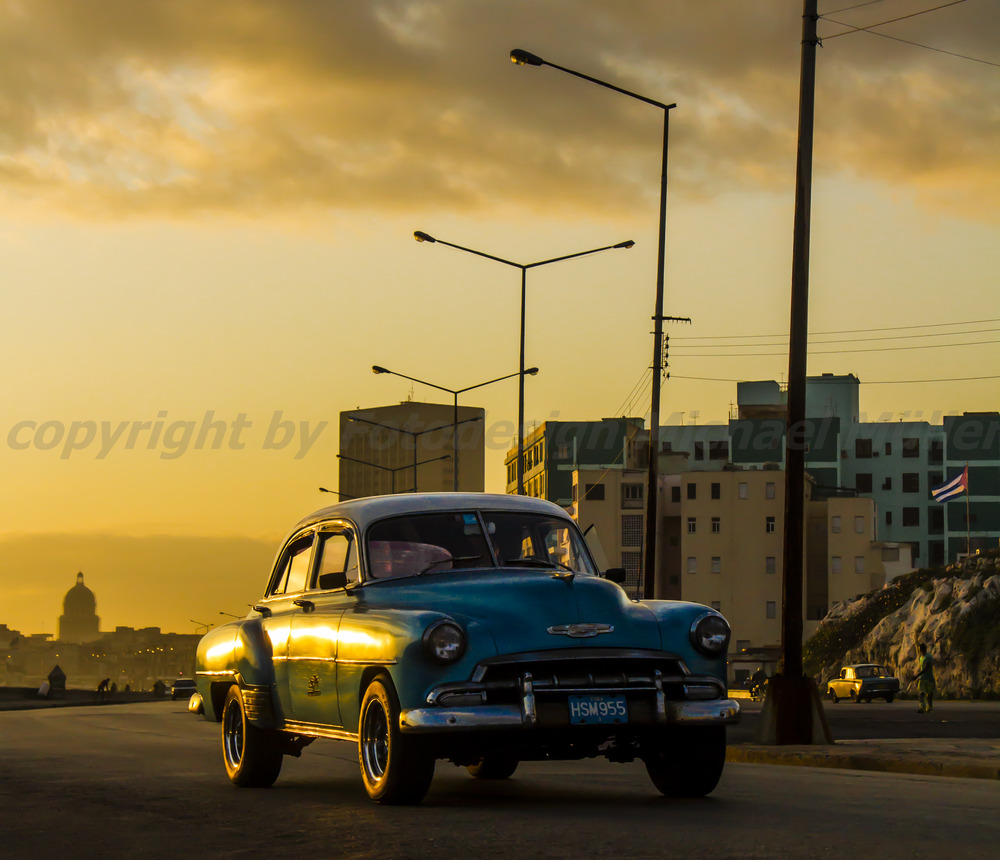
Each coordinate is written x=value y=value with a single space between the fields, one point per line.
x=128 y=687
x=102 y=690
x=925 y=681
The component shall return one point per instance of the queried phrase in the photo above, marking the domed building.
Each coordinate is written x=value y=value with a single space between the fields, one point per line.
x=79 y=621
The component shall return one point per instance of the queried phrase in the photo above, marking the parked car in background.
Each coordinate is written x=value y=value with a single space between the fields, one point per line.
x=863 y=682
x=182 y=688
x=466 y=627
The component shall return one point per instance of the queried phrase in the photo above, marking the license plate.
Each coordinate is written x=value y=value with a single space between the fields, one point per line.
x=592 y=710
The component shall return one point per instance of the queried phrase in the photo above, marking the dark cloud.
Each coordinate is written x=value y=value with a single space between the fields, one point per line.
x=172 y=107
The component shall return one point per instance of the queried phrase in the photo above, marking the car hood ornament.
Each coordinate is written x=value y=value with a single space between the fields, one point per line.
x=585 y=630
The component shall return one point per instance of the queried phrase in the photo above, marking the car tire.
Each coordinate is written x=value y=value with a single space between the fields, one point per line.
x=251 y=754
x=834 y=696
x=688 y=762
x=889 y=698
x=494 y=767
x=396 y=769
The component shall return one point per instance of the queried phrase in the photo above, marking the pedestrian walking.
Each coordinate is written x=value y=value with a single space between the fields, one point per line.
x=925 y=681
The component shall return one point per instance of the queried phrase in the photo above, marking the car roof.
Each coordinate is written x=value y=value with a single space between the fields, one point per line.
x=860 y=665
x=368 y=510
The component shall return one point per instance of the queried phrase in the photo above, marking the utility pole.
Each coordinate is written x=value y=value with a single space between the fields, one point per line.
x=792 y=694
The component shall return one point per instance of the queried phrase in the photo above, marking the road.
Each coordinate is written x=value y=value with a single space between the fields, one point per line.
x=146 y=781
x=851 y=721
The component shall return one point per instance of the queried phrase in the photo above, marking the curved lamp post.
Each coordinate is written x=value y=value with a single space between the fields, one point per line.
x=526 y=58
x=420 y=236
x=531 y=371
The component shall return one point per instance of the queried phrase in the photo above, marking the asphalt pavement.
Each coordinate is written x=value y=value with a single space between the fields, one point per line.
x=968 y=757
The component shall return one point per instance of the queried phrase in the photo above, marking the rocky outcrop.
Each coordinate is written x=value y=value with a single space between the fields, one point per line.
x=957 y=615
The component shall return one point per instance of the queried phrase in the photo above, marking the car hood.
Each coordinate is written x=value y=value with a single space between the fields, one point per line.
x=518 y=607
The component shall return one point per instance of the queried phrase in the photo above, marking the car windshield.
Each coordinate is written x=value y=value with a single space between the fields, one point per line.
x=418 y=544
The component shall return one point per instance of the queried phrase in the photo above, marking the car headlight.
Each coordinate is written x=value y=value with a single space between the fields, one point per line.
x=444 y=641
x=710 y=634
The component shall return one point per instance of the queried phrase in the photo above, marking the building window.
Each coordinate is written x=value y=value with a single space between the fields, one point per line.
x=935 y=455
x=835 y=564
x=742 y=644
x=772 y=609
x=699 y=450
x=888 y=449
x=887 y=484
x=863 y=482
x=911 y=516
x=863 y=449
x=770 y=564
x=769 y=490
x=716 y=490
x=692 y=525
x=632 y=562
x=632 y=495
x=769 y=525
x=631 y=529
x=716 y=525
x=859 y=525
x=911 y=448
x=744 y=491
x=716 y=564
x=835 y=525
x=859 y=564
x=562 y=452
x=692 y=491
x=594 y=492
x=911 y=482
x=890 y=553
x=718 y=450
x=717 y=605
x=692 y=564
x=888 y=518
x=675 y=493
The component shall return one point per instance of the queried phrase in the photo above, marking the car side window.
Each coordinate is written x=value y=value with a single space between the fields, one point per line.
x=292 y=570
x=338 y=560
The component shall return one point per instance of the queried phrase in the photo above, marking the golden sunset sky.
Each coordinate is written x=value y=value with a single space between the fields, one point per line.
x=206 y=217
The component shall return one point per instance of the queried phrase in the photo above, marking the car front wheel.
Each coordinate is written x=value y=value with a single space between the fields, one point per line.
x=888 y=699
x=688 y=762
x=251 y=754
x=395 y=768
x=834 y=696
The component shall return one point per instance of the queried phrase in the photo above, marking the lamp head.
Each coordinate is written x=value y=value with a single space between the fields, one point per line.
x=525 y=58
x=421 y=236
x=530 y=371
x=377 y=369
x=627 y=244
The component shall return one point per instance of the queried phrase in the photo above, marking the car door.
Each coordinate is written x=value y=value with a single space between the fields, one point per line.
x=315 y=627
x=288 y=580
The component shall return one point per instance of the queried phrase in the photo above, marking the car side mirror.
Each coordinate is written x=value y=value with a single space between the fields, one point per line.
x=615 y=574
x=337 y=579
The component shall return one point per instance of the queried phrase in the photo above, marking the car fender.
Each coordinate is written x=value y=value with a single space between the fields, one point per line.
x=675 y=619
x=239 y=652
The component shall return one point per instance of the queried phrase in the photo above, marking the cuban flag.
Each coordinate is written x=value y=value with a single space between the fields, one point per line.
x=952 y=488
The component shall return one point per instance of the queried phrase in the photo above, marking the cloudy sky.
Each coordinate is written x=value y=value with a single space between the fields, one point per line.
x=206 y=218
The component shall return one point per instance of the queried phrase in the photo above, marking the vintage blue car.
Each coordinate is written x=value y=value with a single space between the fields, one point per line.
x=467 y=627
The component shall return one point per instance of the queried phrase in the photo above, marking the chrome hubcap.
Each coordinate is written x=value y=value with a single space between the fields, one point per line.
x=232 y=735
x=375 y=741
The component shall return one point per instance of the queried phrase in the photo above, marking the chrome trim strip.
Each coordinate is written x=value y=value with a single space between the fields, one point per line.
x=724 y=711
x=528 y=700
x=285 y=659
x=313 y=730
x=661 y=700
x=216 y=673
x=482 y=717
x=372 y=662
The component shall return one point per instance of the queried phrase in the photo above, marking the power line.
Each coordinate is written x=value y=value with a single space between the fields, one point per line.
x=848 y=340
x=879 y=382
x=914 y=44
x=852 y=330
x=883 y=23
x=855 y=6
x=839 y=351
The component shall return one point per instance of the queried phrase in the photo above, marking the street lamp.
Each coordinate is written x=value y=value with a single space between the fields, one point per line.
x=531 y=371
x=413 y=434
x=230 y=614
x=391 y=469
x=420 y=236
x=525 y=58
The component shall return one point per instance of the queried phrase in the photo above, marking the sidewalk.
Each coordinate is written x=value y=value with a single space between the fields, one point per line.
x=973 y=758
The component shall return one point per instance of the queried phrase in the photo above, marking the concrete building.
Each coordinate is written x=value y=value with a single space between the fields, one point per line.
x=411 y=447
x=895 y=463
